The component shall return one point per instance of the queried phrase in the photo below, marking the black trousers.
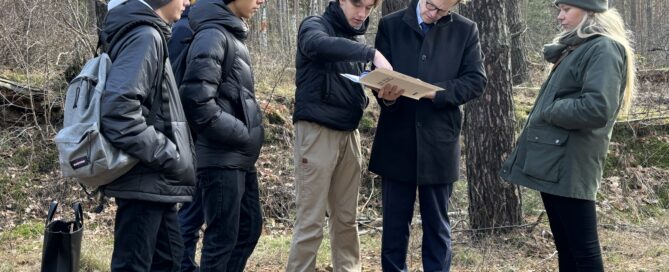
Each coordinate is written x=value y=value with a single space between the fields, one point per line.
x=231 y=207
x=146 y=237
x=574 y=226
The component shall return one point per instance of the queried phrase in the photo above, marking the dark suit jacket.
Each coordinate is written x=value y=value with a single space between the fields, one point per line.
x=419 y=140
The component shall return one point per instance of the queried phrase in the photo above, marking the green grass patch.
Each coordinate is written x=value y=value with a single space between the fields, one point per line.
x=467 y=257
x=96 y=251
x=13 y=187
x=663 y=195
x=639 y=145
x=27 y=230
x=368 y=122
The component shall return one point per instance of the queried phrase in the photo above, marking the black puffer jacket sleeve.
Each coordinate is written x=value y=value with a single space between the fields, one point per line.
x=129 y=84
x=317 y=44
x=199 y=91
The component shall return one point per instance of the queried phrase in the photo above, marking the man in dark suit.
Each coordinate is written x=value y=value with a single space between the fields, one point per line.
x=416 y=146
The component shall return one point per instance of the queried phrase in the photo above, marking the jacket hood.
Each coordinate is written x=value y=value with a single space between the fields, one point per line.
x=215 y=13
x=335 y=15
x=128 y=13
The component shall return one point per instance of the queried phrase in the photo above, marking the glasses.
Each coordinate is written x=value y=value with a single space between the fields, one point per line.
x=433 y=7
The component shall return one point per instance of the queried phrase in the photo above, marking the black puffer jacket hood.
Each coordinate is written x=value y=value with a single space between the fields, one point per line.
x=130 y=12
x=335 y=15
x=212 y=13
x=221 y=105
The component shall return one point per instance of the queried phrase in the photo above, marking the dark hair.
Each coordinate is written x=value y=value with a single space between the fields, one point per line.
x=376 y=2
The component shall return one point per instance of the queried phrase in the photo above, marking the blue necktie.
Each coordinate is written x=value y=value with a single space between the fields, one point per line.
x=425 y=27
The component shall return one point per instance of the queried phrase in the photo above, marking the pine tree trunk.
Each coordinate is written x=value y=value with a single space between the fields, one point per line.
x=389 y=6
x=100 y=14
x=489 y=129
x=520 y=72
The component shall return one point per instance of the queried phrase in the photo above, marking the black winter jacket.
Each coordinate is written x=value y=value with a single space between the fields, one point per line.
x=322 y=95
x=166 y=171
x=418 y=141
x=221 y=105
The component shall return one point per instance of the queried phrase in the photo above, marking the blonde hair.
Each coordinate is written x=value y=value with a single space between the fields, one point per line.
x=610 y=24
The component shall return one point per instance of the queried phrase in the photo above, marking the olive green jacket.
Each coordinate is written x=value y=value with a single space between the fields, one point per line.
x=561 y=150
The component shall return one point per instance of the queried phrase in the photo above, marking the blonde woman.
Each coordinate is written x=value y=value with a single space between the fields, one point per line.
x=562 y=148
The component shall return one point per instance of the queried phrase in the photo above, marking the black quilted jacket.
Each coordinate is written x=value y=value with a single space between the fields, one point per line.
x=221 y=105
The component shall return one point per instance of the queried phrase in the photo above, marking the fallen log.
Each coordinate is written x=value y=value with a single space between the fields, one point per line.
x=17 y=95
x=18 y=100
x=655 y=75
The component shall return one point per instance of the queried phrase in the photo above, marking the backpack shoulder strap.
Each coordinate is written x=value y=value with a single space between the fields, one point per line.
x=230 y=49
x=230 y=52
x=161 y=98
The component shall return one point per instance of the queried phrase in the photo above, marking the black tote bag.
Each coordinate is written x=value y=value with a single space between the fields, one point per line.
x=62 y=241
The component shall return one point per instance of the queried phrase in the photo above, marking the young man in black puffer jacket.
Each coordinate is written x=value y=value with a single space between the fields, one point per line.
x=146 y=230
x=226 y=117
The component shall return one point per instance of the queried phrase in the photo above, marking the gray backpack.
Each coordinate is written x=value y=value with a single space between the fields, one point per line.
x=83 y=152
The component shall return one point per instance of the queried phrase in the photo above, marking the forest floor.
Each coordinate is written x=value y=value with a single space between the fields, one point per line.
x=632 y=207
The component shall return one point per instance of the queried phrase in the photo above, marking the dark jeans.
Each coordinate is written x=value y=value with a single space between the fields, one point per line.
x=398 y=204
x=146 y=237
x=231 y=205
x=574 y=226
x=191 y=219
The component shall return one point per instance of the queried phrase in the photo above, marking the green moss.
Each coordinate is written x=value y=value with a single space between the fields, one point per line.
x=40 y=159
x=650 y=151
x=27 y=230
x=46 y=161
x=367 y=123
x=274 y=117
x=663 y=195
x=637 y=145
x=14 y=188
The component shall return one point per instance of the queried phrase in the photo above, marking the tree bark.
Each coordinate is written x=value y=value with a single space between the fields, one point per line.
x=633 y=16
x=100 y=14
x=489 y=125
x=649 y=24
x=517 y=28
x=390 y=6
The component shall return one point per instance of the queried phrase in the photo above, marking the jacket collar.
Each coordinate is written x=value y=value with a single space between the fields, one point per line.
x=335 y=15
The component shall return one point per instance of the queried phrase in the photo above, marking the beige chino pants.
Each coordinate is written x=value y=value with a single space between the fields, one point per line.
x=327 y=179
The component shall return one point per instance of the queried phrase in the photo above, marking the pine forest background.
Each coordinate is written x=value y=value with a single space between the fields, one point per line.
x=496 y=227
